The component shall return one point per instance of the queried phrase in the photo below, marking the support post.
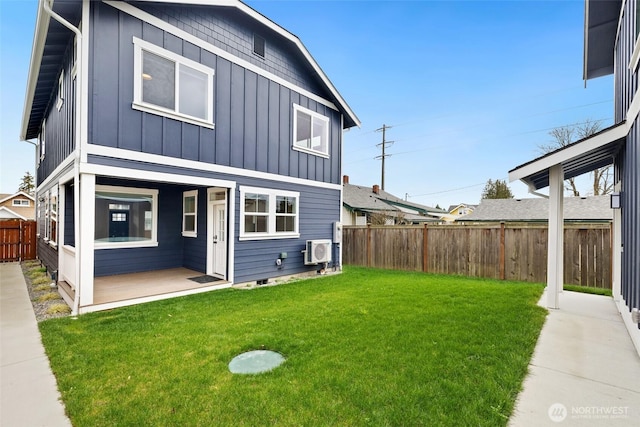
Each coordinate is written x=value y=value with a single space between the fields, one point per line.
x=85 y=239
x=555 y=250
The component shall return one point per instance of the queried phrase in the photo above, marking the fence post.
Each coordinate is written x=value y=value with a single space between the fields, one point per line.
x=368 y=245
x=502 y=266
x=425 y=248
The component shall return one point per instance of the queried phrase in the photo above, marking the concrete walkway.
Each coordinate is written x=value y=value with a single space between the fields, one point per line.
x=585 y=370
x=28 y=391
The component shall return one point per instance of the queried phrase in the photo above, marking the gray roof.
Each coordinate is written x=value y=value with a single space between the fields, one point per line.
x=596 y=208
x=363 y=198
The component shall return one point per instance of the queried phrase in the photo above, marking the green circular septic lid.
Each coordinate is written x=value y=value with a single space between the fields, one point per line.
x=255 y=362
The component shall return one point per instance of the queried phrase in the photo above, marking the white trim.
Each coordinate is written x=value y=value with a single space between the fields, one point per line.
x=53 y=175
x=60 y=101
x=82 y=85
x=570 y=152
x=146 y=17
x=271 y=214
x=632 y=328
x=314 y=116
x=43 y=137
x=153 y=241
x=194 y=214
x=89 y=308
x=141 y=175
x=119 y=153
x=16 y=215
x=555 y=238
x=85 y=235
x=140 y=46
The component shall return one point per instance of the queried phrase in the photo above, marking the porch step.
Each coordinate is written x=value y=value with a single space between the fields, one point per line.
x=67 y=292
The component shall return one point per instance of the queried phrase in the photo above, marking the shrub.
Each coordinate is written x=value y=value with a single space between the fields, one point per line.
x=43 y=287
x=58 y=308
x=49 y=296
x=40 y=280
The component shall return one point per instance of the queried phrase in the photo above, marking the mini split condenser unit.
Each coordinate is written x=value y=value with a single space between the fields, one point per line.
x=318 y=251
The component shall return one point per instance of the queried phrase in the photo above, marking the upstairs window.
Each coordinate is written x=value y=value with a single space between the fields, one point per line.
x=21 y=202
x=60 y=100
x=170 y=85
x=42 y=139
x=258 y=45
x=310 y=131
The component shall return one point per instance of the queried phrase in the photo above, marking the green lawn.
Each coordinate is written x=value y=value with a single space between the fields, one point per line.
x=367 y=347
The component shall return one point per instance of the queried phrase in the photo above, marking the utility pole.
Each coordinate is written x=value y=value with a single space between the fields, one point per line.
x=383 y=144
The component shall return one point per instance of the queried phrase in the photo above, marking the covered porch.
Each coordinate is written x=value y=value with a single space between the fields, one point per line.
x=128 y=289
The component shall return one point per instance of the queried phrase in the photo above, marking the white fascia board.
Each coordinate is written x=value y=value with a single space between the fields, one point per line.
x=278 y=29
x=19 y=193
x=13 y=214
x=39 y=38
x=569 y=152
x=120 y=153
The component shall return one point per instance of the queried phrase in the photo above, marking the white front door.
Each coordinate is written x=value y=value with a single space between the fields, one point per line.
x=217 y=246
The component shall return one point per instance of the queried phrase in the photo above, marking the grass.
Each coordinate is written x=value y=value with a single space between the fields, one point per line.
x=587 y=290
x=368 y=347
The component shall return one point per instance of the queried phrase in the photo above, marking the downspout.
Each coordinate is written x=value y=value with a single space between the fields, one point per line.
x=76 y=166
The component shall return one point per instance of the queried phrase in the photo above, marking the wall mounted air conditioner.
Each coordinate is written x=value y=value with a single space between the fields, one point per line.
x=318 y=251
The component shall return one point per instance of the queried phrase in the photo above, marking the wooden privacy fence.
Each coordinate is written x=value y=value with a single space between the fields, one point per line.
x=497 y=251
x=17 y=240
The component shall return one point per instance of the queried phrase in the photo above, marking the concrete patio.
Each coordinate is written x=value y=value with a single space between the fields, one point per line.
x=585 y=370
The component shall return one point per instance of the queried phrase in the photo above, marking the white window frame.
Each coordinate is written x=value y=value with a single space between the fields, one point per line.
x=272 y=196
x=194 y=214
x=52 y=207
x=23 y=203
x=153 y=241
x=60 y=101
x=138 y=104
x=46 y=217
x=314 y=117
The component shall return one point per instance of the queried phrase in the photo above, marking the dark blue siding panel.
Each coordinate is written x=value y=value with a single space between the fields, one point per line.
x=274 y=134
x=104 y=82
x=223 y=112
x=152 y=34
x=250 y=119
x=190 y=141
x=237 y=116
x=172 y=141
x=285 y=129
x=207 y=145
x=152 y=131
x=130 y=123
x=263 y=125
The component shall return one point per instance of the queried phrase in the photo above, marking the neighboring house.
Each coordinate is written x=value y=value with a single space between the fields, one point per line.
x=19 y=205
x=576 y=209
x=360 y=204
x=187 y=135
x=612 y=46
x=455 y=212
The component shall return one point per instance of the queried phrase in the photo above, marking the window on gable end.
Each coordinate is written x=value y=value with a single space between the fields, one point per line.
x=259 y=45
x=171 y=85
x=43 y=139
x=310 y=131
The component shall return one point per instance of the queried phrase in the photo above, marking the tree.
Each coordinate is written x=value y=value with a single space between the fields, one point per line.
x=562 y=136
x=26 y=184
x=497 y=189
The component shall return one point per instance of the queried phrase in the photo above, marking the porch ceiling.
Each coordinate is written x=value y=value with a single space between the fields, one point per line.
x=576 y=159
x=600 y=28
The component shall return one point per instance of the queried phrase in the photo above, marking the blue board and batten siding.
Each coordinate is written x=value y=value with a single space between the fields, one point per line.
x=627 y=162
x=253 y=115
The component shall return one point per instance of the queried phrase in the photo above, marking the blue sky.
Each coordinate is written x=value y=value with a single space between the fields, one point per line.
x=470 y=88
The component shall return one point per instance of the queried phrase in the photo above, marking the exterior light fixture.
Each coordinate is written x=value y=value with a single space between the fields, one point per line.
x=616 y=202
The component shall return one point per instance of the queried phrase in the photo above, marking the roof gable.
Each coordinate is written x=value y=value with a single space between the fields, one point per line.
x=51 y=40
x=6 y=197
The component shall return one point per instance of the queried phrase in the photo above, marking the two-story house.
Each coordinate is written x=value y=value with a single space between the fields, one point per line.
x=612 y=46
x=184 y=139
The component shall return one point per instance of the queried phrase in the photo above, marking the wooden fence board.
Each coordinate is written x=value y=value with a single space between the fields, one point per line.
x=499 y=251
x=17 y=240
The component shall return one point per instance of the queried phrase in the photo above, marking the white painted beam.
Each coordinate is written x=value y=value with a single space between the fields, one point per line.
x=555 y=251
